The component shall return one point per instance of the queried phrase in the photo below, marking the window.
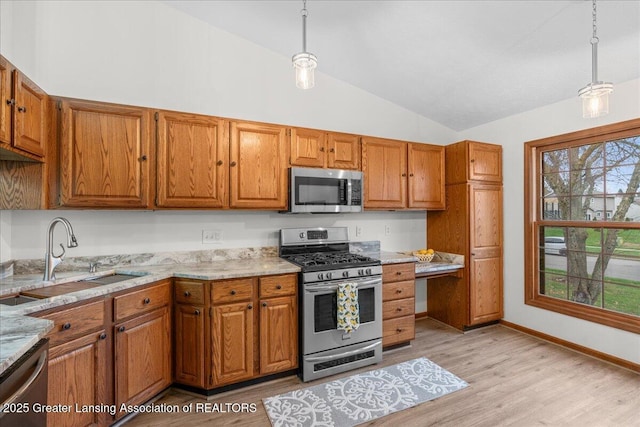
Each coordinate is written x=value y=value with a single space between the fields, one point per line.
x=582 y=210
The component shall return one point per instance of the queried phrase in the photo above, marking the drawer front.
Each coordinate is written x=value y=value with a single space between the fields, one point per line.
x=142 y=301
x=398 y=308
x=224 y=291
x=274 y=286
x=74 y=322
x=398 y=272
x=188 y=292
x=398 y=290
x=396 y=331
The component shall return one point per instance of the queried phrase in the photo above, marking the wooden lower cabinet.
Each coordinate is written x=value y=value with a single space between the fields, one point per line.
x=232 y=342
x=189 y=347
x=278 y=334
x=398 y=303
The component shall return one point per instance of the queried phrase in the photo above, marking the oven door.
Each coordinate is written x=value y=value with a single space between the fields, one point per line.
x=320 y=311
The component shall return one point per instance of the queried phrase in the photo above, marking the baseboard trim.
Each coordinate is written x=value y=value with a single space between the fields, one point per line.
x=421 y=315
x=576 y=347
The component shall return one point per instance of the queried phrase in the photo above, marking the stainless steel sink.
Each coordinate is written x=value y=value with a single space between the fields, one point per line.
x=16 y=300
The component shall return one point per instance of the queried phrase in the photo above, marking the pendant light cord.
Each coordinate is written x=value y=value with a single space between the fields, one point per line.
x=594 y=47
x=304 y=14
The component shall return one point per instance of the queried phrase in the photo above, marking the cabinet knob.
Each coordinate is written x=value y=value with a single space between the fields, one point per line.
x=250 y=306
x=233 y=292
x=264 y=304
x=22 y=109
x=187 y=293
x=404 y=174
x=197 y=312
x=333 y=150
x=11 y=101
x=399 y=291
x=322 y=149
x=232 y=164
x=219 y=163
x=398 y=309
x=278 y=287
x=144 y=157
x=121 y=329
x=103 y=336
x=399 y=330
x=472 y=160
x=146 y=300
x=410 y=174
x=66 y=326
x=398 y=273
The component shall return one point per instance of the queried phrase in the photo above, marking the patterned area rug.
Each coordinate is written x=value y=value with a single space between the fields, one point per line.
x=363 y=397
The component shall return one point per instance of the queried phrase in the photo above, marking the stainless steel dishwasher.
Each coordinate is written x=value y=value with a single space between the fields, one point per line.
x=23 y=389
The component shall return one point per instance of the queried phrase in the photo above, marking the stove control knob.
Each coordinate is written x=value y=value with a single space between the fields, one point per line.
x=345 y=274
x=361 y=272
x=329 y=275
x=320 y=276
x=302 y=235
x=368 y=271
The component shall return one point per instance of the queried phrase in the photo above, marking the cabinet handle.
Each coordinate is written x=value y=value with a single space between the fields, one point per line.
x=472 y=160
x=333 y=150
x=264 y=304
x=22 y=109
x=146 y=300
x=398 y=273
x=121 y=329
x=399 y=291
x=197 y=312
x=232 y=164
x=233 y=292
x=144 y=157
x=399 y=330
x=410 y=174
x=187 y=293
x=250 y=306
x=66 y=326
x=278 y=287
x=103 y=336
x=219 y=163
x=11 y=101
x=404 y=174
x=398 y=309
x=322 y=149
x=473 y=253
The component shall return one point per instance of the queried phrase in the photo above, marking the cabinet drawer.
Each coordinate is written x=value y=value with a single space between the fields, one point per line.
x=74 y=322
x=142 y=301
x=395 y=331
x=398 y=272
x=224 y=291
x=398 y=308
x=398 y=290
x=273 y=286
x=188 y=292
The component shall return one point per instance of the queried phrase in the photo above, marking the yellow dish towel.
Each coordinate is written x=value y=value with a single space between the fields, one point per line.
x=348 y=308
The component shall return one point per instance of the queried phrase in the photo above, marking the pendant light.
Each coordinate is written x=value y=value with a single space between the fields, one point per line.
x=595 y=95
x=304 y=62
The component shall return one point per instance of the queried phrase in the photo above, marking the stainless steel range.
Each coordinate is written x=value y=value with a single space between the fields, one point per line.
x=323 y=254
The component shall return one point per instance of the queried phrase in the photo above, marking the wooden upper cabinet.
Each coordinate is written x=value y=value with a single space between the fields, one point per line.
x=105 y=155
x=5 y=100
x=30 y=123
x=316 y=148
x=308 y=147
x=193 y=161
x=258 y=166
x=426 y=176
x=473 y=161
x=384 y=164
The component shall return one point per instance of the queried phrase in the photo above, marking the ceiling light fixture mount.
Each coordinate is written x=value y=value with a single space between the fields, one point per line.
x=595 y=95
x=304 y=62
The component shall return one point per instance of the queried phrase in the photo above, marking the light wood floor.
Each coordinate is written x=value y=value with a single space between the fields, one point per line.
x=514 y=380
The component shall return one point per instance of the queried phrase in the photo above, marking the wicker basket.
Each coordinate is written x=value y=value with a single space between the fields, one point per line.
x=424 y=257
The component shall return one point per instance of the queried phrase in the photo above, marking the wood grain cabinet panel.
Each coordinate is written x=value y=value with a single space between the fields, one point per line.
x=5 y=100
x=258 y=166
x=190 y=345
x=426 y=188
x=308 y=147
x=30 y=117
x=398 y=303
x=343 y=151
x=105 y=155
x=193 y=161
x=278 y=334
x=384 y=163
x=232 y=341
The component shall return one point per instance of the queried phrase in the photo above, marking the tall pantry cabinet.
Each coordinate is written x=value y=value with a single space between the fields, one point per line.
x=471 y=225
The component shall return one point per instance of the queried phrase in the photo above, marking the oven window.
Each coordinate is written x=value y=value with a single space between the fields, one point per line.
x=320 y=191
x=325 y=310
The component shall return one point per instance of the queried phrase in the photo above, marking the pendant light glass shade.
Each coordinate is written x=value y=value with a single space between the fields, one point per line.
x=304 y=62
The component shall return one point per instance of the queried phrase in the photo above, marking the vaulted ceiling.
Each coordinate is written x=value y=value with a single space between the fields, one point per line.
x=460 y=63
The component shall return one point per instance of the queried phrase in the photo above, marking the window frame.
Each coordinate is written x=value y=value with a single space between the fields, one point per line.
x=532 y=222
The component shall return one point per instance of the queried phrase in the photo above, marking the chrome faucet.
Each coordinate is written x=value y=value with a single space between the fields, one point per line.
x=50 y=260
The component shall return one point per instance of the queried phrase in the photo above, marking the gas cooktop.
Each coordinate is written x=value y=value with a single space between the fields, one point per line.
x=317 y=261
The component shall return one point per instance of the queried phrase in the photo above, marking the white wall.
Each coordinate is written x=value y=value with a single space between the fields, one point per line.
x=512 y=133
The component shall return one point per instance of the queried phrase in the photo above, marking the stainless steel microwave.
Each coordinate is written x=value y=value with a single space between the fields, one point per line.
x=315 y=190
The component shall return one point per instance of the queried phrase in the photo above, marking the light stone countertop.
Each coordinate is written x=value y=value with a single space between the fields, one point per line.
x=18 y=332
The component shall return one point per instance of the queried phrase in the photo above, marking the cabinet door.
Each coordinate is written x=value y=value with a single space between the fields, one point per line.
x=232 y=341
x=142 y=357
x=78 y=376
x=193 y=161
x=343 y=151
x=384 y=163
x=5 y=100
x=278 y=334
x=258 y=168
x=190 y=345
x=485 y=267
x=485 y=162
x=426 y=176
x=104 y=155
x=30 y=123
x=308 y=147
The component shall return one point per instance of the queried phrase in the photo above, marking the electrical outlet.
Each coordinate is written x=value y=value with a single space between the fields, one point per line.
x=358 y=230
x=387 y=230
x=211 y=236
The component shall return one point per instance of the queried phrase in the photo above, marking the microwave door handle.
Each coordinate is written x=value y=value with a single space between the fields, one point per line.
x=349 y=191
x=341 y=355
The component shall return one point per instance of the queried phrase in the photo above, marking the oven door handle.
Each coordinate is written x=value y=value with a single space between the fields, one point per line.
x=42 y=362
x=316 y=289
x=338 y=356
